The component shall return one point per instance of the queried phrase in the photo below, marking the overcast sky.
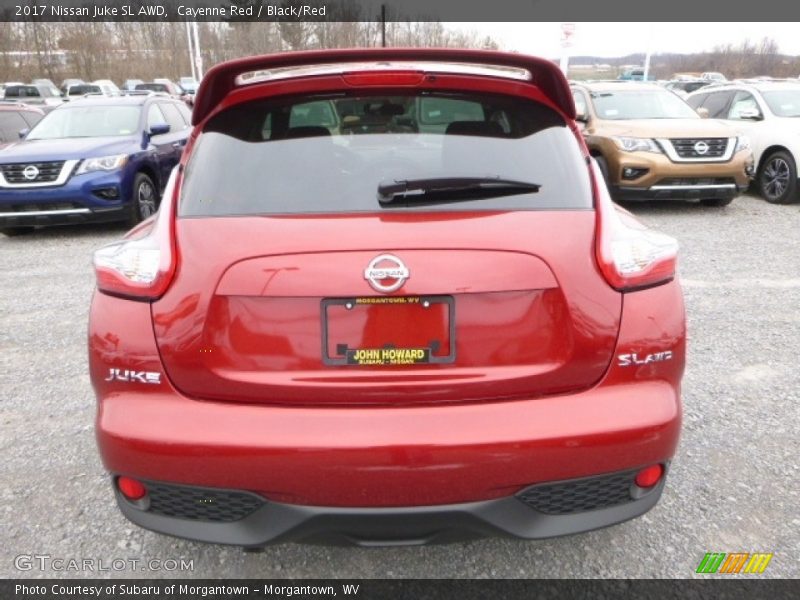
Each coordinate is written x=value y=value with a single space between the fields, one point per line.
x=619 y=39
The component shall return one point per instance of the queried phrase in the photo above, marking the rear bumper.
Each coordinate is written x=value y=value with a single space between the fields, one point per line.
x=275 y=522
x=383 y=457
x=678 y=192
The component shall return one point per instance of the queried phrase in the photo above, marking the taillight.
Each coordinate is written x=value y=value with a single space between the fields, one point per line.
x=629 y=255
x=142 y=268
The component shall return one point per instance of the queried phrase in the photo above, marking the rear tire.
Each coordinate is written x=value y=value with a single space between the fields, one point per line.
x=716 y=201
x=777 y=178
x=144 y=199
x=15 y=231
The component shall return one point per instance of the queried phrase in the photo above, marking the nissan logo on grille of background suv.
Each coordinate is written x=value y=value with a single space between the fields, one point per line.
x=30 y=172
x=386 y=273
x=701 y=147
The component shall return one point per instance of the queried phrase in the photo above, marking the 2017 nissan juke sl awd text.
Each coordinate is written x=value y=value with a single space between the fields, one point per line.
x=386 y=299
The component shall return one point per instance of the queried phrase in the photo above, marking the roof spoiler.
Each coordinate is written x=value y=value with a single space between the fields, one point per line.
x=221 y=79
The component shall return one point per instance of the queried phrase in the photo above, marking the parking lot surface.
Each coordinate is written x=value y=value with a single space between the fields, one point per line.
x=734 y=485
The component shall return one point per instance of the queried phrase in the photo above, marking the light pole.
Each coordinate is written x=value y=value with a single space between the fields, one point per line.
x=198 y=54
x=383 y=26
x=567 y=31
x=647 y=55
x=191 y=51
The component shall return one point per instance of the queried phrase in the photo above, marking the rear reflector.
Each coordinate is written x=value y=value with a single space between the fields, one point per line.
x=131 y=488
x=649 y=476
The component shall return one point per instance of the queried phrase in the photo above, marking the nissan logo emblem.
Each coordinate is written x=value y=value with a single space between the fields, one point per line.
x=701 y=148
x=30 y=172
x=386 y=273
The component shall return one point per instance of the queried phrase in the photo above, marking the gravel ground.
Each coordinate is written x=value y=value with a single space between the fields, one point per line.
x=733 y=485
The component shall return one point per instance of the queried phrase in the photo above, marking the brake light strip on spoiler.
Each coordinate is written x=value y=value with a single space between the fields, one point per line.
x=223 y=78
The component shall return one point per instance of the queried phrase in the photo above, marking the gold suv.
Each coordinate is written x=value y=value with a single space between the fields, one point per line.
x=651 y=145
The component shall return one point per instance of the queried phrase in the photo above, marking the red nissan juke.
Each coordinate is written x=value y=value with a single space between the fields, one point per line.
x=386 y=299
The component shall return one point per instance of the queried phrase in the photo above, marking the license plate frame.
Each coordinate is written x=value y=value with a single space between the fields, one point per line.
x=406 y=358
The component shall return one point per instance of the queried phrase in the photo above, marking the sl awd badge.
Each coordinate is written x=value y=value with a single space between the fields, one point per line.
x=630 y=360
x=128 y=376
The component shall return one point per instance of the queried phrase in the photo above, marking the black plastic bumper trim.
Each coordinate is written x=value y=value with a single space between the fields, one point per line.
x=275 y=522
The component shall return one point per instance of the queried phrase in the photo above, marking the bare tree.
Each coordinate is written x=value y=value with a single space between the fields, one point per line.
x=144 y=50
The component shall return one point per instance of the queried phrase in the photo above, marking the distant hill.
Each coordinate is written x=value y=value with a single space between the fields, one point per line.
x=744 y=61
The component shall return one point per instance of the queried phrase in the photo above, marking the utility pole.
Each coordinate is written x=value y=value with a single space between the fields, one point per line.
x=567 y=31
x=191 y=50
x=383 y=26
x=198 y=54
x=646 y=73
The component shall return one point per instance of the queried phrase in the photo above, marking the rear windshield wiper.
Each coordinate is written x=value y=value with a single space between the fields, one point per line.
x=450 y=189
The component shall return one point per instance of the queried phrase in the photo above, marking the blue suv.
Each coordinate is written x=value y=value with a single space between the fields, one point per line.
x=94 y=159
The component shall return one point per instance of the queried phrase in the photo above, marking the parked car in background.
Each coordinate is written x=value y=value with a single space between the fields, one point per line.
x=189 y=84
x=429 y=322
x=650 y=144
x=15 y=118
x=684 y=76
x=163 y=88
x=713 y=76
x=174 y=89
x=130 y=84
x=46 y=82
x=768 y=112
x=109 y=87
x=684 y=87
x=635 y=75
x=81 y=89
x=40 y=95
x=3 y=87
x=68 y=82
x=93 y=159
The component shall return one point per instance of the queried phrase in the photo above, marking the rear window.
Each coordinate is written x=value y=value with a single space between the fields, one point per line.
x=22 y=91
x=330 y=154
x=80 y=90
x=153 y=87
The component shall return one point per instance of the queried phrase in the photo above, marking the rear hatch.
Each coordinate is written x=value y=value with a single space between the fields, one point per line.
x=338 y=251
x=262 y=314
